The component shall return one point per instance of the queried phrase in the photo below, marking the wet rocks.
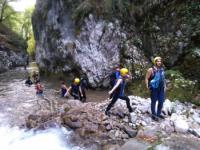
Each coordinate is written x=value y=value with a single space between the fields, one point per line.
x=181 y=142
x=89 y=121
x=180 y=123
x=10 y=59
x=131 y=132
x=135 y=144
x=122 y=125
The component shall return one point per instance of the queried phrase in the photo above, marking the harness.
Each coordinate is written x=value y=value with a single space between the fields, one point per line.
x=157 y=78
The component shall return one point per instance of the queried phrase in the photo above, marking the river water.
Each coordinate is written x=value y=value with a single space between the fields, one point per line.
x=17 y=101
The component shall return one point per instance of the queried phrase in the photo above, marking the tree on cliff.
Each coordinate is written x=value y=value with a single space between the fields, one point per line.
x=6 y=11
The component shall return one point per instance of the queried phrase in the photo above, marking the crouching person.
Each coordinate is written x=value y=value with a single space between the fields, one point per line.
x=75 y=90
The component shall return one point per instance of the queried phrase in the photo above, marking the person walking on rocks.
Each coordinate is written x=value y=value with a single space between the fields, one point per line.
x=118 y=91
x=155 y=83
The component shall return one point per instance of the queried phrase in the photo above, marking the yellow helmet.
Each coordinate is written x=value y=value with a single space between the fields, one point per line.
x=155 y=59
x=123 y=71
x=77 y=80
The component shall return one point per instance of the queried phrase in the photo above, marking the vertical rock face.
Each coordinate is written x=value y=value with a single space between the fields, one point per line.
x=12 y=49
x=92 y=50
x=97 y=48
x=89 y=37
x=10 y=59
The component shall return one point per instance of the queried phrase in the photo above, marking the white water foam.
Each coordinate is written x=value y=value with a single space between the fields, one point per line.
x=17 y=139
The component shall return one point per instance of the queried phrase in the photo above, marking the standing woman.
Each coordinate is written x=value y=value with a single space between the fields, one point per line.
x=155 y=83
x=118 y=91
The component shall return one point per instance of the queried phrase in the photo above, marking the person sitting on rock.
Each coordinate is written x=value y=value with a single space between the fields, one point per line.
x=118 y=91
x=39 y=88
x=75 y=90
x=63 y=89
x=28 y=82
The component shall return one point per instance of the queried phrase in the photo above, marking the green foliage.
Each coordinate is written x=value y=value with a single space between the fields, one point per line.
x=191 y=16
x=26 y=25
x=196 y=52
x=109 y=9
x=24 y=29
x=137 y=87
x=173 y=74
x=137 y=41
x=31 y=46
x=180 y=88
x=190 y=66
x=6 y=11
x=82 y=10
x=11 y=39
x=19 y=23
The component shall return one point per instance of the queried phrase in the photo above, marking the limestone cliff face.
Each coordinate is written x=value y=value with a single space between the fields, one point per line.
x=92 y=50
x=12 y=50
x=90 y=37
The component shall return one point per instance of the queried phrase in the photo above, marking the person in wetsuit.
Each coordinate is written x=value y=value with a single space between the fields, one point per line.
x=63 y=89
x=84 y=86
x=28 y=82
x=118 y=91
x=75 y=90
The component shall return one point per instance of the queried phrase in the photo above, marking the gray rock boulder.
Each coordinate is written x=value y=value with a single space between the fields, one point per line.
x=134 y=144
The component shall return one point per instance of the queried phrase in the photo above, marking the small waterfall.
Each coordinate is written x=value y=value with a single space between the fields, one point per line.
x=18 y=139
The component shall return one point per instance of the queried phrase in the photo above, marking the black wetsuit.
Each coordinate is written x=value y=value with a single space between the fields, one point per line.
x=119 y=93
x=83 y=86
x=75 y=91
x=63 y=91
x=28 y=82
